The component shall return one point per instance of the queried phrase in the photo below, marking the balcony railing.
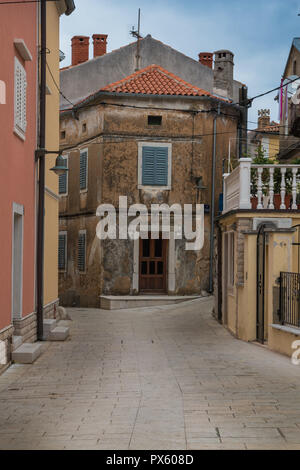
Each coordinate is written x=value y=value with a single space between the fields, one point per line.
x=251 y=186
x=289 y=302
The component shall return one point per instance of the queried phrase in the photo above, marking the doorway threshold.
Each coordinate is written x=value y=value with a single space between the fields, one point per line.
x=117 y=302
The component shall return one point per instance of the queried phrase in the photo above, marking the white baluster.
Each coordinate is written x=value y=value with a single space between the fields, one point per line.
x=259 y=188
x=245 y=181
x=271 y=188
x=294 y=188
x=282 y=188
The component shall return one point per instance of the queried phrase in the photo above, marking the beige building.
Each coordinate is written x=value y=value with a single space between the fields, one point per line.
x=266 y=136
x=54 y=11
x=257 y=260
x=148 y=137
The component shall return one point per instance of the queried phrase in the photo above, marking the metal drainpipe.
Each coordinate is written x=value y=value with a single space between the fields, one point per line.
x=41 y=205
x=212 y=209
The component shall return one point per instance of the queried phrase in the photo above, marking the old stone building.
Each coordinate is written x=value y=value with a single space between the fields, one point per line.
x=105 y=138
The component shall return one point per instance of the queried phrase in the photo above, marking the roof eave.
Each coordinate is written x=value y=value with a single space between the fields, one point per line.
x=70 y=7
x=99 y=94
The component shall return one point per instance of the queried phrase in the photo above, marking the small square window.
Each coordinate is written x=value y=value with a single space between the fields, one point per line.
x=84 y=127
x=63 y=135
x=154 y=120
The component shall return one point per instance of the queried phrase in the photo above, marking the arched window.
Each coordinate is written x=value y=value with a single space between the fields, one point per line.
x=295 y=67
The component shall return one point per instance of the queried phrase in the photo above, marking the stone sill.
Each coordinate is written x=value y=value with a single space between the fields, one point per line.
x=288 y=329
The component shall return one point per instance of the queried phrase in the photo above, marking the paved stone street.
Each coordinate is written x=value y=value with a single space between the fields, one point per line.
x=166 y=377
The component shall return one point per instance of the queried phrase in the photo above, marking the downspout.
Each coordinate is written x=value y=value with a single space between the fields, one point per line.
x=212 y=209
x=41 y=204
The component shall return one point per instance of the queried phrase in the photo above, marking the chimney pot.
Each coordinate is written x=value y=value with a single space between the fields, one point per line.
x=206 y=58
x=263 y=118
x=100 y=44
x=80 y=49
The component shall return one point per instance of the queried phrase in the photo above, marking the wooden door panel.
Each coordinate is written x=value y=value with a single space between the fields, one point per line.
x=153 y=265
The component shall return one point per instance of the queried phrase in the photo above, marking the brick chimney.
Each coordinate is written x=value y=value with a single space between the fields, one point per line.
x=206 y=58
x=263 y=118
x=80 y=49
x=100 y=43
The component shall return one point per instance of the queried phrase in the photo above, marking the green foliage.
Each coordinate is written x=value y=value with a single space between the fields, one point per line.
x=261 y=159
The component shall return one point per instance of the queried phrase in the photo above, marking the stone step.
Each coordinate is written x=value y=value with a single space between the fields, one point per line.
x=27 y=353
x=60 y=333
x=17 y=341
x=117 y=302
x=48 y=325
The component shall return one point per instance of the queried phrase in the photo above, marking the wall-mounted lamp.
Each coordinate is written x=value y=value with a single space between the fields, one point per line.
x=60 y=166
x=199 y=183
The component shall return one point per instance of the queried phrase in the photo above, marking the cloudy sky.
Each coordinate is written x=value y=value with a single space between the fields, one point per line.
x=259 y=32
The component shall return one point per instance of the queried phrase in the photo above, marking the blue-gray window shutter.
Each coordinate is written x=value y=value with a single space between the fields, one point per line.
x=83 y=170
x=62 y=239
x=81 y=251
x=62 y=181
x=155 y=166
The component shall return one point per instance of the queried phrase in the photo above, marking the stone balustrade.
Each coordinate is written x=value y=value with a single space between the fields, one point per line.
x=251 y=186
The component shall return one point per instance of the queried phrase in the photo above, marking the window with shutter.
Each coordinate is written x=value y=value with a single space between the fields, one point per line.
x=63 y=180
x=83 y=174
x=20 y=99
x=155 y=166
x=81 y=251
x=62 y=251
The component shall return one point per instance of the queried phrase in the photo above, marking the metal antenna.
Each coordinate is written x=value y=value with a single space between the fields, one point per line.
x=136 y=34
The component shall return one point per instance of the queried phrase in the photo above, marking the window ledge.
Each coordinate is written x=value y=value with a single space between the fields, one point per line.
x=19 y=133
x=22 y=49
x=154 y=188
x=288 y=329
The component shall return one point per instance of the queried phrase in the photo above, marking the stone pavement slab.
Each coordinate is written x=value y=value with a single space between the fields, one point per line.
x=167 y=377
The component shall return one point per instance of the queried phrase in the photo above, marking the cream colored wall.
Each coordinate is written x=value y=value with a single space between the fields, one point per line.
x=273 y=146
x=281 y=249
x=281 y=255
x=247 y=293
x=52 y=143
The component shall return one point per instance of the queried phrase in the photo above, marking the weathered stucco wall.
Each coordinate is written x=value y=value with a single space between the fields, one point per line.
x=113 y=172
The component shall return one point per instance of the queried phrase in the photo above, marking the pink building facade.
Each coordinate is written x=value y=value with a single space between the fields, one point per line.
x=18 y=137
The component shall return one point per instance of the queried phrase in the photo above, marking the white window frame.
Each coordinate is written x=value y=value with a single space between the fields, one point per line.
x=64 y=232
x=140 y=165
x=65 y=157
x=20 y=122
x=87 y=169
x=230 y=248
x=82 y=232
x=19 y=210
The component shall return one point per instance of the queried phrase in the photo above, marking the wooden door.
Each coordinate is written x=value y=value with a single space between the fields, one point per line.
x=153 y=265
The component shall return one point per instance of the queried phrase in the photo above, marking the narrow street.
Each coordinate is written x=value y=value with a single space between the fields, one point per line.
x=166 y=377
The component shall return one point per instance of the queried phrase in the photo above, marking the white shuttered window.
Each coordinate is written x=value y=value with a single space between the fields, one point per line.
x=20 y=98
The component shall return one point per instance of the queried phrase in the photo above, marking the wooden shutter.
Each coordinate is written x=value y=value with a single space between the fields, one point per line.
x=63 y=180
x=148 y=165
x=20 y=96
x=155 y=166
x=83 y=170
x=161 y=166
x=81 y=251
x=62 y=242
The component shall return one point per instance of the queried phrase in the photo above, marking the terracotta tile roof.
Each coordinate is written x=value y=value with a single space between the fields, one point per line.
x=273 y=127
x=154 y=80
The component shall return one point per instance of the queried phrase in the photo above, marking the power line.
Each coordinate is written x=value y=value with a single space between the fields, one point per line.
x=55 y=83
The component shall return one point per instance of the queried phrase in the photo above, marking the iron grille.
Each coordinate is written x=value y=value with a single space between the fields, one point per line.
x=81 y=251
x=289 y=299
